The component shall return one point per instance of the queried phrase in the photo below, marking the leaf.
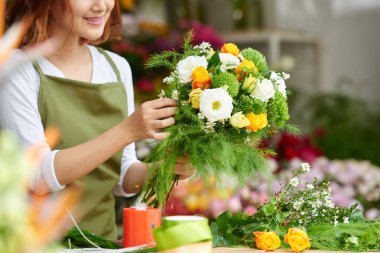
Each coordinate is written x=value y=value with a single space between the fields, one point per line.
x=269 y=209
x=357 y=215
x=353 y=239
x=214 y=60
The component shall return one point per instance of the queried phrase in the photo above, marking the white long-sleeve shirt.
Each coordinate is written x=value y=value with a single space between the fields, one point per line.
x=19 y=113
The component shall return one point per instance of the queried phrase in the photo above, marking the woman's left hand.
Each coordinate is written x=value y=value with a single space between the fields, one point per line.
x=183 y=167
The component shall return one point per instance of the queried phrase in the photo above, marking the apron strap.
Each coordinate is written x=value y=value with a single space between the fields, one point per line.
x=113 y=65
x=38 y=69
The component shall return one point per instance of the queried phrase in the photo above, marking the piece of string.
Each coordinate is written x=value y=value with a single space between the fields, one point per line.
x=80 y=231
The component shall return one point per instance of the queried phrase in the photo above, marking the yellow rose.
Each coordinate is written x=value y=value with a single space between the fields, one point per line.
x=240 y=72
x=201 y=78
x=230 y=48
x=249 y=83
x=297 y=239
x=239 y=120
x=195 y=98
x=257 y=122
x=267 y=240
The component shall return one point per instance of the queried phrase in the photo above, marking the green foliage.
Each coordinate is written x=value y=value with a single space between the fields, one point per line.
x=278 y=110
x=350 y=127
x=328 y=227
x=256 y=57
x=167 y=59
x=75 y=240
x=361 y=236
x=211 y=154
x=226 y=79
x=247 y=104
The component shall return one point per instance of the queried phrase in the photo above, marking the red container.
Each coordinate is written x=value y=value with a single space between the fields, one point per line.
x=138 y=224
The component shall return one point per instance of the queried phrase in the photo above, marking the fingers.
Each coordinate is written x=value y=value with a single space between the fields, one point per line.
x=158 y=124
x=183 y=159
x=160 y=136
x=162 y=102
x=184 y=170
x=165 y=112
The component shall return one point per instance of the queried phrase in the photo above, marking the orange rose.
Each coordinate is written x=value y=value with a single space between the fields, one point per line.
x=240 y=72
x=257 y=122
x=201 y=78
x=267 y=240
x=230 y=48
x=297 y=239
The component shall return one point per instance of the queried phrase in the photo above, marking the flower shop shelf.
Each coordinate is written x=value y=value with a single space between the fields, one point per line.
x=297 y=53
x=248 y=250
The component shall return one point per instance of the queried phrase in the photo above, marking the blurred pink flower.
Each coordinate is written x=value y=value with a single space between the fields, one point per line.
x=250 y=210
x=217 y=207
x=234 y=204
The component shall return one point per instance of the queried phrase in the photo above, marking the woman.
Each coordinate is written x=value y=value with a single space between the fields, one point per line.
x=87 y=93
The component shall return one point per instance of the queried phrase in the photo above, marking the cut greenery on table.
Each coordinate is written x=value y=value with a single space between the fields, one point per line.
x=308 y=207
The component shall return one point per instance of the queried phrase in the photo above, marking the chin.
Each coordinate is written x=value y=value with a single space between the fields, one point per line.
x=92 y=37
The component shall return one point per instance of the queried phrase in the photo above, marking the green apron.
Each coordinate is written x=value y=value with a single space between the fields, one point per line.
x=82 y=111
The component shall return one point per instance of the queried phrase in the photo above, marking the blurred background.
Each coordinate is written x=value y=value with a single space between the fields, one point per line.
x=330 y=48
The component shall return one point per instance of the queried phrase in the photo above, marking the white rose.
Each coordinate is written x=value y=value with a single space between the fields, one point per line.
x=186 y=66
x=216 y=104
x=279 y=83
x=264 y=90
x=228 y=61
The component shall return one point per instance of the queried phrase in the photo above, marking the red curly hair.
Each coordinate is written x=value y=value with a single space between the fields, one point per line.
x=39 y=10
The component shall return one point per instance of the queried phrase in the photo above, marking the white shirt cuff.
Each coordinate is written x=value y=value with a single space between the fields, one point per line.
x=44 y=179
x=118 y=190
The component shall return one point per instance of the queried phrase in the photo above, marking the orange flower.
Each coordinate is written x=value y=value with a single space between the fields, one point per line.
x=201 y=78
x=240 y=72
x=297 y=239
x=257 y=121
x=230 y=48
x=267 y=240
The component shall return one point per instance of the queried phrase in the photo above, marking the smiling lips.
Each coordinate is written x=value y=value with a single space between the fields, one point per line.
x=94 y=20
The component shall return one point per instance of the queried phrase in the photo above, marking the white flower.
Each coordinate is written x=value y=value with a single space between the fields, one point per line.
x=209 y=127
x=346 y=220
x=297 y=205
x=305 y=167
x=279 y=83
x=204 y=47
x=175 y=94
x=335 y=221
x=329 y=204
x=294 y=182
x=285 y=76
x=186 y=66
x=264 y=90
x=216 y=104
x=162 y=94
x=201 y=116
x=300 y=221
x=310 y=186
x=247 y=139
x=228 y=61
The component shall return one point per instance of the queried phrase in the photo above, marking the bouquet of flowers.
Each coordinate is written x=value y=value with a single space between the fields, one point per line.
x=227 y=101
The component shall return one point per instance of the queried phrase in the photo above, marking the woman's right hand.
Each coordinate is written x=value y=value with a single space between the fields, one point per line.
x=150 y=117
